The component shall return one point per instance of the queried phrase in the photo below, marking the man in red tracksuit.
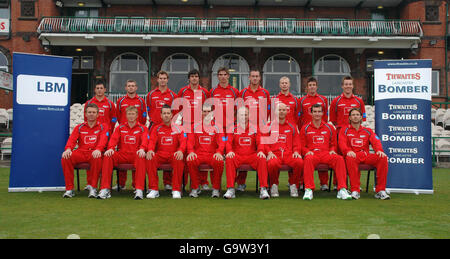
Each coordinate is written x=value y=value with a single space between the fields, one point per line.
x=291 y=102
x=91 y=137
x=285 y=150
x=318 y=140
x=155 y=100
x=253 y=96
x=311 y=98
x=341 y=105
x=195 y=96
x=354 y=141
x=130 y=138
x=205 y=147
x=167 y=144
x=244 y=147
x=130 y=99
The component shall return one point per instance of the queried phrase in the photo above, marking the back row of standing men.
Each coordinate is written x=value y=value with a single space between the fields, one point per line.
x=298 y=113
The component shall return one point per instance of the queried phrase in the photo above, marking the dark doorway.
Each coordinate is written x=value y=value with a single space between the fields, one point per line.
x=80 y=88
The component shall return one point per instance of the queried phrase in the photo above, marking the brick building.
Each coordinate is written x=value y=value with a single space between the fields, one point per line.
x=121 y=39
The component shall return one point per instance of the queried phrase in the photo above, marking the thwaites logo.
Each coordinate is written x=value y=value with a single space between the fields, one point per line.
x=129 y=139
x=90 y=139
x=245 y=141
x=357 y=142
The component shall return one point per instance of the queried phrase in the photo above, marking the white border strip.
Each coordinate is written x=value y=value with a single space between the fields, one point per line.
x=414 y=191
x=37 y=189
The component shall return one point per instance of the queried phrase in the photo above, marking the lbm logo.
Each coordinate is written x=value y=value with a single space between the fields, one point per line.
x=42 y=90
x=51 y=87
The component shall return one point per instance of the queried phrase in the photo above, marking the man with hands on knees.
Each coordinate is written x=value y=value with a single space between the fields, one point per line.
x=354 y=141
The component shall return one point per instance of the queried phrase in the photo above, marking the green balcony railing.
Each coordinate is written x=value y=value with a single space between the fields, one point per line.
x=244 y=26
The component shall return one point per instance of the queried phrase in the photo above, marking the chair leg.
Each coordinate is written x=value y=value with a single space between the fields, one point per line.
x=368 y=180
x=78 y=180
x=118 y=185
x=257 y=182
x=330 y=180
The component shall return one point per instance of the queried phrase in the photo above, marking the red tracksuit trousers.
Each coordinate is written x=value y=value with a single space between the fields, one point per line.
x=81 y=157
x=372 y=159
x=334 y=161
x=122 y=158
x=152 y=170
x=274 y=165
x=260 y=164
x=216 y=176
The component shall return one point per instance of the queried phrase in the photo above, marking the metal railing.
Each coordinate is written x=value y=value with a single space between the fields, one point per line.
x=270 y=26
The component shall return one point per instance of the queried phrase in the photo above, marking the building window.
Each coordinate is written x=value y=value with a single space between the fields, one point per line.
x=3 y=63
x=178 y=66
x=128 y=66
x=432 y=13
x=435 y=82
x=27 y=8
x=329 y=71
x=278 y=66
x=238 y=68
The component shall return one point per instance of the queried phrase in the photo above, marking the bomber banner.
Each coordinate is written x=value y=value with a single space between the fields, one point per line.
x=402 y=122
x=41 y=111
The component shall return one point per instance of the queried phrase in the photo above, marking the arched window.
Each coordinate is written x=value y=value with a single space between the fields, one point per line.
x=238 y=67
x=278 y=66
x=329 y=71
x=178 y=66
x=128 y=66
x=3 y=62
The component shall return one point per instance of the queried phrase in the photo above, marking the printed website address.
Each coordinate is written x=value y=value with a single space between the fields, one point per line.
x=60 y=109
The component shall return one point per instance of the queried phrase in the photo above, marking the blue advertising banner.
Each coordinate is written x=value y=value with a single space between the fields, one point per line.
x=403 y=122
x=41 y=111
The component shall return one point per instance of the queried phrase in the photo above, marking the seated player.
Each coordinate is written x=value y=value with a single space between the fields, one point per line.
x=354 y=141
x=130 y=138
x=91 y=137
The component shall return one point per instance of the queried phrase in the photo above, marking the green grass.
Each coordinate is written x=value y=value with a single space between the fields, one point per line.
x=48 y=215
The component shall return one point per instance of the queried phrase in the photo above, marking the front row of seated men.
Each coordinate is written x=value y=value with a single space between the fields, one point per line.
x=302 y=150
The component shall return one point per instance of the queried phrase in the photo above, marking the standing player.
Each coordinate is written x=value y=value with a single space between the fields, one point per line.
x=205 y=147
x=286 y=150
x=318 y=140
x=354 y=141
x=91 y=138
x=252 y=96
x=244 y=147
x=291 y=102
x=130 y=139
x=311 y=98
x=155 y=100
x=167 y=144
x=130 y=99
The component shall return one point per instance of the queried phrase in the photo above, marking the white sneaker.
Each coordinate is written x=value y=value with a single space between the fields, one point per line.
x=343 y=194
x=176 y=195
x=104 y=194
x=241 y=187
x=230 y=194
x=194 y=193
x=274 y=191
x=92 y=192
x=215 y=193
x=69 y=194
x=382 y=195
x=293 y=190
x=263 y=194
x=115 y=188
x=167 y=187
x=324 y=187
x=205 y=187
x=152 y=194
x=355 y=195
x=139 y=195
x=308 y=194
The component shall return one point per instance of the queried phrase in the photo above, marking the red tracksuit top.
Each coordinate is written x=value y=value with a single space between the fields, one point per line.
x=202 y=142
x=293 y=107
x=305 y=108
x=126 y=101
x=340 y=108
x=87 y=138
x=188 y=93
x=288 y=140
x=128 y=139
x=260 y=93
x=107 y=113
x=163 y=139
x=244 y=142
x=155 y=100
x=322 y=139
x=224 y=93
x=354 y=140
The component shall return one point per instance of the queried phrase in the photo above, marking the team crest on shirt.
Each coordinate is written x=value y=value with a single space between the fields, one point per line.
x=130 y=139
x=91 y=139
x=318 y=139
x=356 y=142
x=167 y=141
